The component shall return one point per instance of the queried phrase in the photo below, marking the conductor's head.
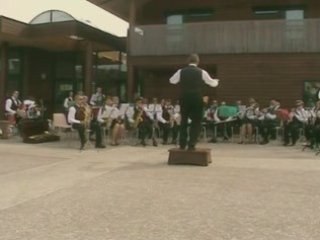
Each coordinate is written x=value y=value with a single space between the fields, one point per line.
x=193 y=59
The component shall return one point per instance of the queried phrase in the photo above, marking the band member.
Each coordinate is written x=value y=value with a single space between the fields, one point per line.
x=68 y=102
x=191 y=79
x=268 y=125
x=209 y=119
x=32 y=108
x=77 y=116
x=155 y=111
x=297 y=119
x=142 y=121
x=249 y=121
x=223 y=120
x=176 y=122
x=109 y=116
x=166 y=120
x=97 y=99
x=11 y=107
x=315 y=123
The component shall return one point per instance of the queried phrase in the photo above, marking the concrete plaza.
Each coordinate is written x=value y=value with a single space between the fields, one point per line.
x=250 y=192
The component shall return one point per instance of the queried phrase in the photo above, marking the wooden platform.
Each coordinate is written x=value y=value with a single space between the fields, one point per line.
x=200 y=156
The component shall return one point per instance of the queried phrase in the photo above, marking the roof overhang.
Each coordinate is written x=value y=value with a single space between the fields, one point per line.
x=120 y=8
x=58 y=36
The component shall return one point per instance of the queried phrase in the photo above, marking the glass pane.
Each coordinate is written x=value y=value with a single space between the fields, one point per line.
x=43 y=18
x=174 y=19
x=14 y=66
x=294 y=14
x=58 y=16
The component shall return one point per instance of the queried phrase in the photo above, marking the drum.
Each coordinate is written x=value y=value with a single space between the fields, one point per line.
x=21 y=113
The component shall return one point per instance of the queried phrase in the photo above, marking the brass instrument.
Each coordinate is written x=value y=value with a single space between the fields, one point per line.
x=84 y=115
x=138 y=119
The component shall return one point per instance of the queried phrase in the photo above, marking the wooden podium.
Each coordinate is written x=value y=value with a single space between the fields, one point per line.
x=200 y=156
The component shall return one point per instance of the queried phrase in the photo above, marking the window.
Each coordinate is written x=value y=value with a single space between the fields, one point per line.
x=288 y=13
x=174 y=19
x=294 y=14
x=189 y=16
x=51 y=16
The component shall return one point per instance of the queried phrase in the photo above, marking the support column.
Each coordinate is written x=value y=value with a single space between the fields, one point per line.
x=26 y=73
x=88 y=73
x=130 y=83
x=130 y=67
x=3 y=75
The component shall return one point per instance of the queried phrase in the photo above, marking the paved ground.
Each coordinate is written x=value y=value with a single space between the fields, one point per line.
x=54 y=192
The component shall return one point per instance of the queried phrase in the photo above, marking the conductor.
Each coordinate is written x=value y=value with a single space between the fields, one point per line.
x=191 y=79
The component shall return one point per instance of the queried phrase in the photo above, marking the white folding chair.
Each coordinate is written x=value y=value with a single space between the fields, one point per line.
x=60 y=124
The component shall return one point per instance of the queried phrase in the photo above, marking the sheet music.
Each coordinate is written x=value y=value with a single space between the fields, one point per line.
x=124 y=107
x=110 y=112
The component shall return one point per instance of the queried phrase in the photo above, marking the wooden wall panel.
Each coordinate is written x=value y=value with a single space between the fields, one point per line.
x=154 y=11
x=262 y=76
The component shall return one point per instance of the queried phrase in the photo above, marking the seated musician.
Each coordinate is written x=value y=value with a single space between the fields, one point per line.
x=110 y=118
x=165 y=119
x=155 y=112
x=269 y=122
x=12 y=105
x=78 y=117
x=68 y=101
x=31 y=108
x=315 y=125
x=224 y=117
x=249 y=121
x=209 y=118
x=118 y=124
x=176 y=122
x=143 y=121
x=298 y=117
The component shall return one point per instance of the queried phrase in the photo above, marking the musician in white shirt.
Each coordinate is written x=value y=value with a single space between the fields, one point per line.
x=298 y=119
x=12 y=104
x=111 y=116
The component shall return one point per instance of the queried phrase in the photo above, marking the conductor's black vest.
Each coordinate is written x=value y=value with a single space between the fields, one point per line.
x=191 y=80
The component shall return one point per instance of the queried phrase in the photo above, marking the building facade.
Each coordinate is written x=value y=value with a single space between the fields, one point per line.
x=261 y=49
x=49 y=57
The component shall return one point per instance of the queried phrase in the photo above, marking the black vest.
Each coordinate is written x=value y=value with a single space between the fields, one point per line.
x=15 y=104
x=191 y=80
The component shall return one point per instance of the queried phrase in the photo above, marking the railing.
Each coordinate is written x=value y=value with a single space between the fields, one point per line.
x=260 y=36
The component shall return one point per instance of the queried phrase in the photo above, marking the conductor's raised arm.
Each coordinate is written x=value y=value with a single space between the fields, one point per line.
x=175 y=79
x=209 y=80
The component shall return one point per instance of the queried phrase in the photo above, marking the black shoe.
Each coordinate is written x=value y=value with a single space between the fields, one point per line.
x=191 y=148
x=100 y=146
x=182 y=147
x=264 y=142
x=154 y=143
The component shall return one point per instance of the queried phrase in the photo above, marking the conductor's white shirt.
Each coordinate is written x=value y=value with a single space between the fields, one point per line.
x=205 y=76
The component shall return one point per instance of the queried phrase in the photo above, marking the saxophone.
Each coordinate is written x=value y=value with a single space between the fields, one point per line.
x=87 y=116
x=138 y=119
